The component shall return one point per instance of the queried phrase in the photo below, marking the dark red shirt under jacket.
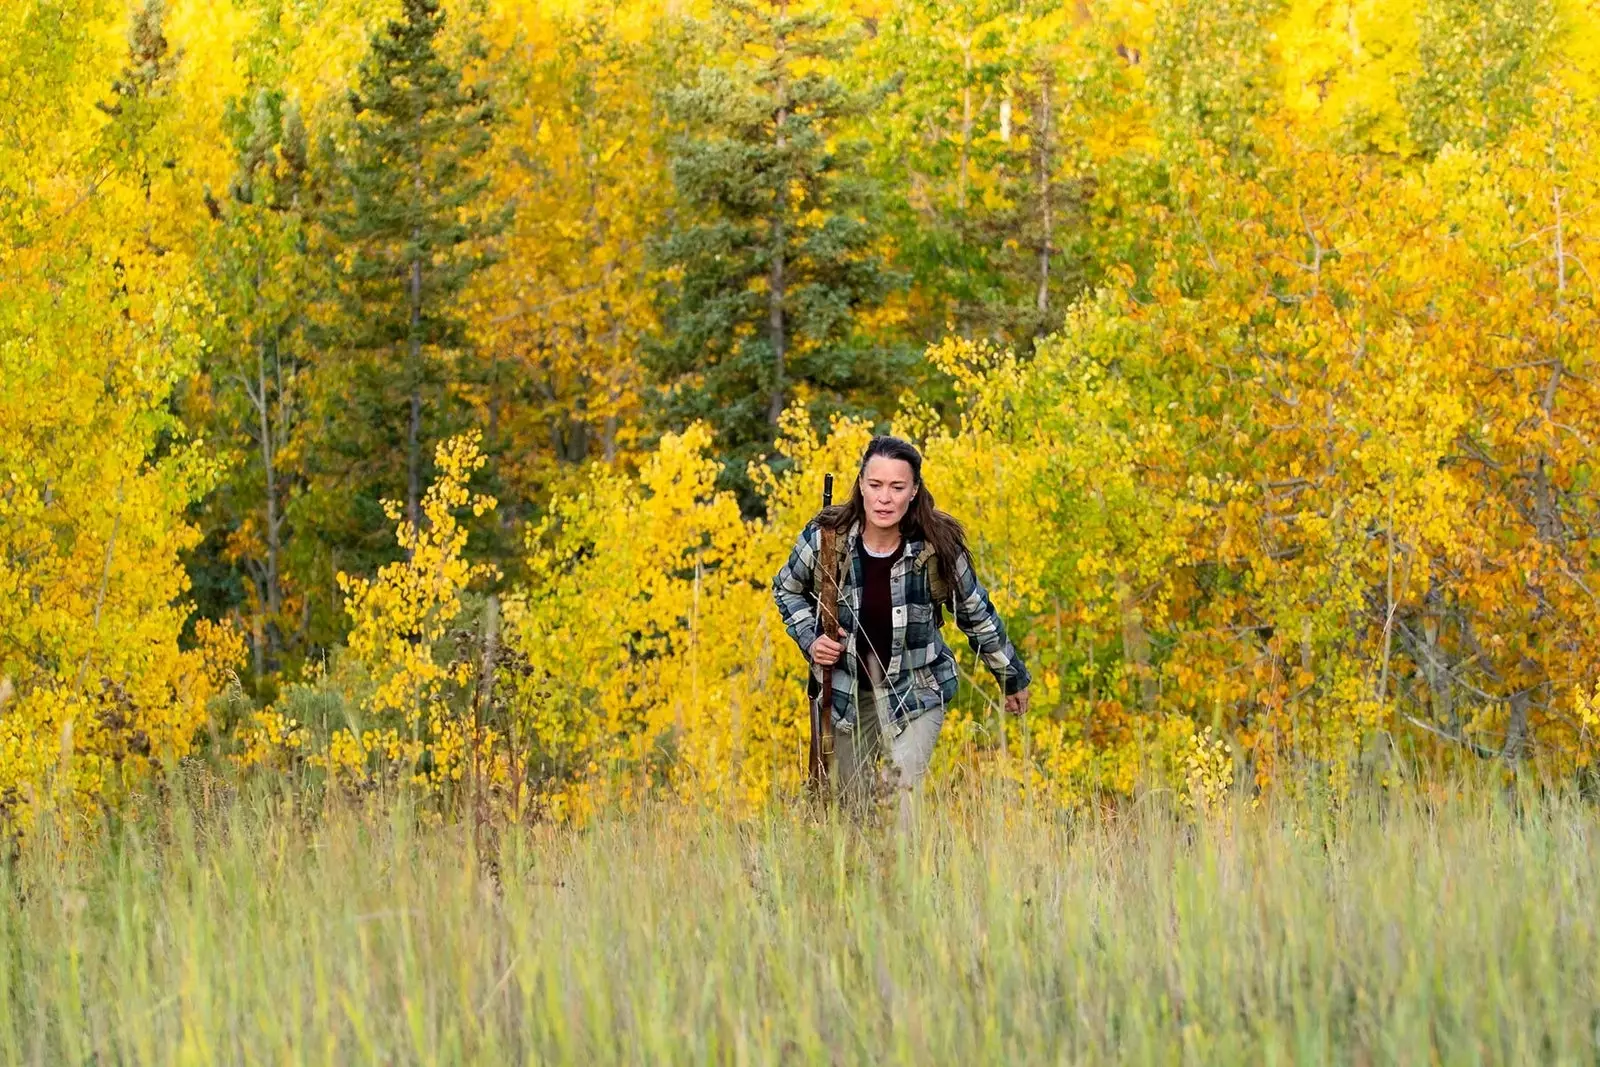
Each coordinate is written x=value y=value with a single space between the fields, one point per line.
x=876 y=617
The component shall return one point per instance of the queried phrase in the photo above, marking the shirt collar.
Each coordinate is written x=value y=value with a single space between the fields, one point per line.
x=910 y=546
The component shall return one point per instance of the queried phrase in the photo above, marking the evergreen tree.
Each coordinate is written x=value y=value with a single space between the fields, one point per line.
x=138 y=94
x=410 y=228
x=773 y=259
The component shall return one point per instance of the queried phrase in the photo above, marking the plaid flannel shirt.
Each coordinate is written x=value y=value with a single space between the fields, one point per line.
x=919 y=666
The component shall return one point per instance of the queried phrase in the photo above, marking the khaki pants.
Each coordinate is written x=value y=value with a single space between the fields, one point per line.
x=858 y=755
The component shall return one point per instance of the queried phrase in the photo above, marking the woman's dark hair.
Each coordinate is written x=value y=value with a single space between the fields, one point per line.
x=922 y=520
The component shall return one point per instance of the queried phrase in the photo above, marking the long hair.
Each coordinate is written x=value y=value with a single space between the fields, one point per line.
x=922 y=520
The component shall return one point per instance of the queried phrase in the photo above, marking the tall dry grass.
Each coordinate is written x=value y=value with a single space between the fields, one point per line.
x=223 y=929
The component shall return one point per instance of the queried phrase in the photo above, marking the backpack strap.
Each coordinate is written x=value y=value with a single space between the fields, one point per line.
x=938 y=587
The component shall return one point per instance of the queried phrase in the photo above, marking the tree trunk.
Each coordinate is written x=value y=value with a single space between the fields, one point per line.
x=414 y=378
x=1136 y=645
x=1517 y=728
x=1435 y=670
x=776 y=280
x=258 y=643
x=966 y=120
x=269 y=463
x=491 y=650
x=265 y=635
x=608 y=435
x=1046 y=221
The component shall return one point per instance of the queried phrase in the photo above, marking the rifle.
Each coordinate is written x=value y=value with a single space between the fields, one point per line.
x=821 y=750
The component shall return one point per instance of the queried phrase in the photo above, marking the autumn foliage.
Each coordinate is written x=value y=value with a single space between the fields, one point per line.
x=1252 y=342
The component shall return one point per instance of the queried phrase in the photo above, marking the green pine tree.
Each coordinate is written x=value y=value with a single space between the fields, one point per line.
x=410 y=226
x=774 y=257
x=138 y=93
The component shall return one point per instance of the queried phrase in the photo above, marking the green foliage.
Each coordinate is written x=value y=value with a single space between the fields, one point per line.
x=408 y=226
x=983 y=140
x=772 y=260
x=136 y=98
x=1212 y=70
x=260 y=281
x=1478 y=66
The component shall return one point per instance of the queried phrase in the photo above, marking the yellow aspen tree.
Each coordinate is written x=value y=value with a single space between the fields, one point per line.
x=95 y=473
x=562 y=317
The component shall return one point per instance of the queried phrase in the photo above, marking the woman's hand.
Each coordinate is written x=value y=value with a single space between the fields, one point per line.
x=825 y=651
x=1017 y=702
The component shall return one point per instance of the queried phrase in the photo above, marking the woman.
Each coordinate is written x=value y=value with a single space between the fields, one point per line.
x=899 y=560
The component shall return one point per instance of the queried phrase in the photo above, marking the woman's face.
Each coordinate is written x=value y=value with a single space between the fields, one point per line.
x=887 y=486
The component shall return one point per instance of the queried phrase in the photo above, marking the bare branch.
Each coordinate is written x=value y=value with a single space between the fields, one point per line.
x=1464 y=742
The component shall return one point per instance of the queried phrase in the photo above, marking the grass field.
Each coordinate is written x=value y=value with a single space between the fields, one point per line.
x=244 y=931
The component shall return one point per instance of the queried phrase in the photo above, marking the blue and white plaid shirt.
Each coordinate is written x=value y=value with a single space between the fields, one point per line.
x=919 y=666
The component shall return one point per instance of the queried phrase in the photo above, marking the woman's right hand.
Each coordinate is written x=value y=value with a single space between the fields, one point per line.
x=825 y=651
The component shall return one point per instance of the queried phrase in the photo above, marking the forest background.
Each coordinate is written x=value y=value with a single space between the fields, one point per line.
x=405 y=393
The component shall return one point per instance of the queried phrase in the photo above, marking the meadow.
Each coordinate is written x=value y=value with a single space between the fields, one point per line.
x=405 y=406
x=1445 y=926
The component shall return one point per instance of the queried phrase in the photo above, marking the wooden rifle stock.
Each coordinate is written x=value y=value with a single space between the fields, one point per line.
x=821 y=749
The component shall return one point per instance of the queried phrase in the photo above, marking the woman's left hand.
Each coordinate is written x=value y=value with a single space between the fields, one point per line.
x=1017 y=702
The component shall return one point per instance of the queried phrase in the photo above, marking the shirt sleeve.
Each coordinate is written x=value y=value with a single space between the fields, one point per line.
x=985 y=631
x=792 y=588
